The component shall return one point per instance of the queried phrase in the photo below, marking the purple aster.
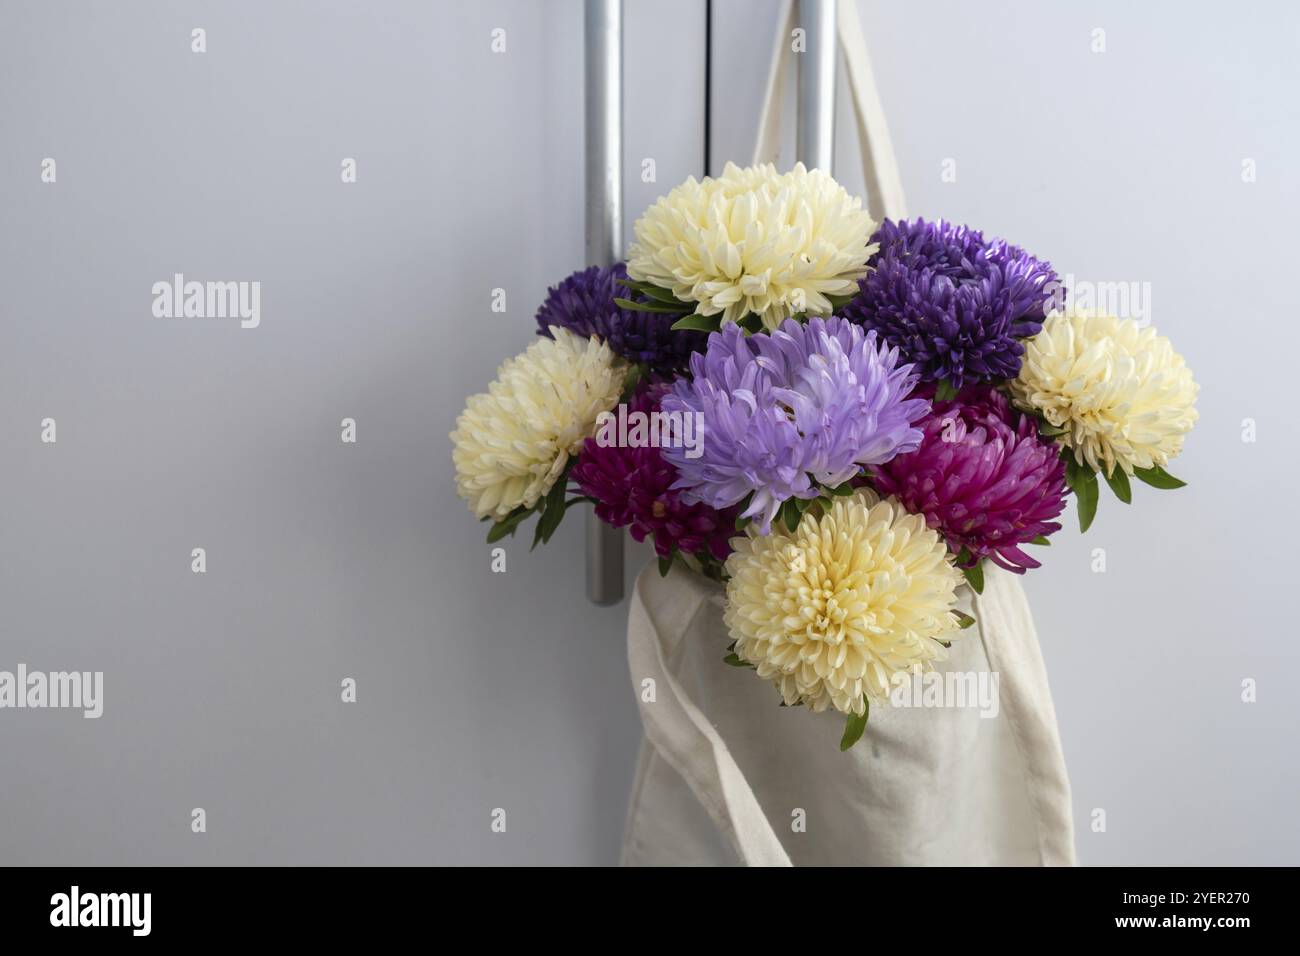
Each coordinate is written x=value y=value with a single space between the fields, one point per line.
x=633 y=485
x=954 y=304
x=983 y=478
x=584 y=304
x=785 y=410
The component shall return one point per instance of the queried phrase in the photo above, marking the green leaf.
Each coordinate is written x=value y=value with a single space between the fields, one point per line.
x=665 y=565
x=735 y=661
x=1041 y=539
x=649 y=306
x=710 y=567
x=553 y=509
x=751 y=323
x=1048 y=429
x=944 y=391
x=975 y=577
x=839 y=301
x=508 y=524
x=1118 y=482
x=843 y=491
x=1083 y=482
x=664 y=296
x=658 y=293
x=963 y=620
x=742 y=506
x=633 y=284
x=855 y=726
x=1157 y=477
x=791 y=515
x=1087 y=494
x=698 y=323
x=631 y=380
x=1073 y=469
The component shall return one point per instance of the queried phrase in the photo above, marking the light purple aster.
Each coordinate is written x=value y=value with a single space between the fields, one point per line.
x=955 y=304
x=788 y=410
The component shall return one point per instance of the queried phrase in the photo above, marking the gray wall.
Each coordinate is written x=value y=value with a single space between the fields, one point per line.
x=326 y=560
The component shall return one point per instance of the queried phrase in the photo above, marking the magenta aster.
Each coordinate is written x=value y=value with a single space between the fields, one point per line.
x=983 y=478
x=632 y=486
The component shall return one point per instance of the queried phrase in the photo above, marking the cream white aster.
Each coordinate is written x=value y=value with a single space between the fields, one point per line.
x=833 y=610
x=754 y=240
x=1123 y=395
x=514 y=441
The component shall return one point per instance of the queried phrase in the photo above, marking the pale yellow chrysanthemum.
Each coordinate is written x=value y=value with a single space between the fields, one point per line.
x=833 y=610
x=754 y=240
x=1120 y=391
x=515 y=440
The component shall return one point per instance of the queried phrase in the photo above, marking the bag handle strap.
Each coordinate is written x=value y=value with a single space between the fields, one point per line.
x=879 y=163
x=767 y=144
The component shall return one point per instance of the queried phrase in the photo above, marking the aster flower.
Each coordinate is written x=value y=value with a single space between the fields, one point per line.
x=631 y=485
x=584 y=304
x=953 y=303
x=831 y=611
x=983 y=478
x=754 y=241
x=809 y=403
x=514 y=441
x=1121 y=394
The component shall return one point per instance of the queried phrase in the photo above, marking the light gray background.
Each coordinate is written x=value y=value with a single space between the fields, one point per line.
x=326 y=560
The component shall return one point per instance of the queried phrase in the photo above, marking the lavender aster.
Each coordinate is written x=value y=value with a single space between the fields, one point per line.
x=953 y=303
x=782 y=411
x=982 y=477
x=584 y=304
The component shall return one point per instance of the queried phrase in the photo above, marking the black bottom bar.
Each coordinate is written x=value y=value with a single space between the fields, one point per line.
x=336 y=905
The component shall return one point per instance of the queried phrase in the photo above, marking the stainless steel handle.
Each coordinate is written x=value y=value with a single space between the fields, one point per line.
x=603 y=69
x=815 y=122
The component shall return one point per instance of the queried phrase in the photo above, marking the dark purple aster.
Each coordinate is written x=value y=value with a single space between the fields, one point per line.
x=983 y=478
x=584 y=304
x=953 y=303
x=632 y=486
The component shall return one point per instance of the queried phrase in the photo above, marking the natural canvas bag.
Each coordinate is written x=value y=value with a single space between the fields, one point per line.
x=727 y=776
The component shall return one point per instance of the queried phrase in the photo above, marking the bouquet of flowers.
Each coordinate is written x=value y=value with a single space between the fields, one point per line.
x=840 y=421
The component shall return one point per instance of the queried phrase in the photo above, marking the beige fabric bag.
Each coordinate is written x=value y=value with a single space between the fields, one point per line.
x=727 y=776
